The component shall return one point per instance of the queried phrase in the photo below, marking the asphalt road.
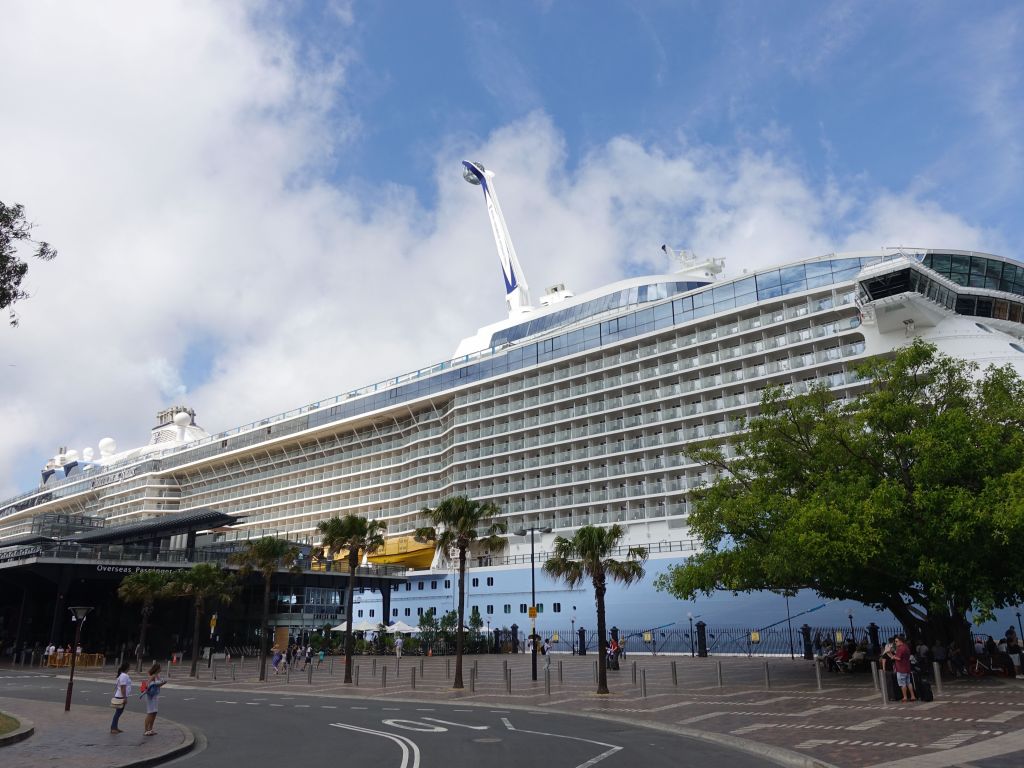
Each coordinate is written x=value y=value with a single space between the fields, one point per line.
x=241 y=730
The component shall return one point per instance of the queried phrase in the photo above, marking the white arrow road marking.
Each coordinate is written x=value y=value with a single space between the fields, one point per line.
x=405 y=743
x=457 y=725
x=415 y=725
x=592 y=761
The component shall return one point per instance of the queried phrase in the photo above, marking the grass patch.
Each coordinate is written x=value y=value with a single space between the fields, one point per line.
x=7 y=724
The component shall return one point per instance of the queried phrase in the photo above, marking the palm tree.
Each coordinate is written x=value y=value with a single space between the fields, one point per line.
x=455 y=524
x=588 y=555
x=357 y=535
x=203 y=582
x=268 y=556
x=144 y=587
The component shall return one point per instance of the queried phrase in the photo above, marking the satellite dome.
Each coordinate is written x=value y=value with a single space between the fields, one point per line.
x=107 y=446
x=88 y=453
x=182 y=419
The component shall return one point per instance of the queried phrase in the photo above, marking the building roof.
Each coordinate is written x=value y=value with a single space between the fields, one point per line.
x=165 y=525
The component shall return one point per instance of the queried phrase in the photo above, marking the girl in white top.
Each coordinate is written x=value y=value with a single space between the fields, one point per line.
x=152 y=697
x=122 y=688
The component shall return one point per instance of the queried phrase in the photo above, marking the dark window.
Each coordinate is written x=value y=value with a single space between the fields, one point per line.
x=421 y=585
x=408 y=612
x=556 y=607
x=360 y=614
x=447 y=584
x=490 y=609
x=371 y=613
x=476 y=582
x=540 y=607
x=508 y=608
x=419 y=611
x=394 y=612
x=490 y=581
x=522 y=607
x=408 y=586
x=433 y=585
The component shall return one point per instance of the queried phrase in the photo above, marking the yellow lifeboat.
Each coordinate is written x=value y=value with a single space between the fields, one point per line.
x=404 y=550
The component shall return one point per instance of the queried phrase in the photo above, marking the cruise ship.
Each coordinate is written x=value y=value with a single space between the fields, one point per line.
x=578 y=410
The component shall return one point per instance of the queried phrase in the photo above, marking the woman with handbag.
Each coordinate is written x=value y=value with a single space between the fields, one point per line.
x=121 y=689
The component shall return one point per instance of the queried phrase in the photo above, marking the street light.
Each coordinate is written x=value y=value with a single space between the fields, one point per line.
x=78 y=614
x=533 y=597
x=849 y=615
x=1020 y=627
x=689 y=615
x=572 y=635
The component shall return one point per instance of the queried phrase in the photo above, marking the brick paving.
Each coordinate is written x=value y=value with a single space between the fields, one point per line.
x=845 y=724
x=82 y=738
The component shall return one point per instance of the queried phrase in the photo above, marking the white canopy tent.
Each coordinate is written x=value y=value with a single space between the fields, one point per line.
x=401 y=626
x=359 y=626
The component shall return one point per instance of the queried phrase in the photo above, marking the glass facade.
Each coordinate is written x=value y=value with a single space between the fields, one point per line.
x=977 y=271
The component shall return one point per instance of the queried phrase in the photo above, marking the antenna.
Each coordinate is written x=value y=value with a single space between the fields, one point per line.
x=517 y=292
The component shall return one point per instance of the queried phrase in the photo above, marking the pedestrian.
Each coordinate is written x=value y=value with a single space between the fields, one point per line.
x=275 y=660
x=51 y=649
x=309 y=657
x=399 y=642
x=901 y=663
x=546 y=650
x=122 y=688
x=320 y=657
x=151 y=691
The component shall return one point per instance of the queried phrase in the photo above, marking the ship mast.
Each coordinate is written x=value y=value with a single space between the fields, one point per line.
x=517 y=292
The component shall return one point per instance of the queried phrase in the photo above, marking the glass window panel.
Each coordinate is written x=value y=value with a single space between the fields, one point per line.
x=959 y=265
x=984 y=308
x=793 y=274
x=768 y=292
x=727 y=291
x=965 y=305
x=767 y=280
x=819 y=280
x=939 y=262
x=818 y=268
x=794 y=287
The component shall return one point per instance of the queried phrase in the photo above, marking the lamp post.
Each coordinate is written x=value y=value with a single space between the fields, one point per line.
x=1020 y=627
x=78 y=614
x=533 y=597
x=689 y=615
x=572 y=635
x=849 y=615
x=789 y=623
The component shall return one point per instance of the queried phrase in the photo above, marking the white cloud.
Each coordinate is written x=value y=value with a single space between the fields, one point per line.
x=166 y=150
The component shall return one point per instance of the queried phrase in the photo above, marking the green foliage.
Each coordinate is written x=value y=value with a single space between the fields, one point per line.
x=908 y=498
x=455 y=526
x=356 y=536
x=429 y=627
x=476 y=621
x=588 y=555
x=144 y=587
x=15 y=228
x=203 y=583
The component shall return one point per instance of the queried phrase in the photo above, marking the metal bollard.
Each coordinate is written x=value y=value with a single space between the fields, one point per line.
x=559 y=671
x=817 y=673
x=675 y=674
x=508 y=682
x=767 y=676
x=937 y=671
x=643 y=683
x=373 y=669
x=449 y=668
x=595 y=671
x=414 y=678
x=232 y=672
x=884 y=688
x=169 y=667
x=421 y=666
x=547 y=681
x=634 y=672
x=719 y=664
x=330 y=667
x=504 y=667
x=309 y=675
x=383 y=677
x=357 y=675
x=214 y=668
x=874 y=674
x=472 y=680
x=288 y=673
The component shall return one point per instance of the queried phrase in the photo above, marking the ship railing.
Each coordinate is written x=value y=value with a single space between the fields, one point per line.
x=657 y=547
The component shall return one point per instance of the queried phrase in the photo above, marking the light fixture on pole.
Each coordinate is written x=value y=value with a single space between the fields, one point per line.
x=849 y=615
x=573 y=634
x=78 y=614
x=533 y=597
x=689 y=615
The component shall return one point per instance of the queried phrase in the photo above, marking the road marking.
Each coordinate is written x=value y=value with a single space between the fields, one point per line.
x=415 y=725
x=327 y=706
x=404 y=742
x=698 y=718
x=1002 y=717
x=424 y=709
x=867 y=725
x=954 y=739
x=498 y=711
x=592 y=761
x=252 y=703
x=458 y=725
x=219 y=701
x=277 y=705
x=358 y=707
x=391 y=709
x=301 y=706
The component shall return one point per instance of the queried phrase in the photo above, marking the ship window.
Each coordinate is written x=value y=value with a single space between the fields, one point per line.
x=408 y=612
x=490 y=581
x=540 y=607
x=490 y=609
x=1017 y=347
x=556 y=607
x=507 y=608
x=394 y=612
x=360 y=613
x=522 y=607
x=371 y=612
x=421 y=585
x=419 y=611
x=433 y=585
x=408 y=586
x=984 y=327
x=447 y=584
x=476 y=582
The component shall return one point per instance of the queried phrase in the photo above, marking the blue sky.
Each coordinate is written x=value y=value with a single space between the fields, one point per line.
x=258 y=205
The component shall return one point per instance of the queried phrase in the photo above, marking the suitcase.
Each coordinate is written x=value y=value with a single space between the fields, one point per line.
x=922 y=688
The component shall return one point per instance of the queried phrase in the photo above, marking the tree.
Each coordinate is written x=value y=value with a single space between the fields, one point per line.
x=204 y=583
x=144 y=587
x=15 y=228
x=267 y=555
x=588 y=554
x=429 y=628
x=455 y=522
x=908 y=498
x=357 y=535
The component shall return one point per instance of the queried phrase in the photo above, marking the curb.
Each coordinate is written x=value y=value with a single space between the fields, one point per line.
x=25 y=729
x=184 y=748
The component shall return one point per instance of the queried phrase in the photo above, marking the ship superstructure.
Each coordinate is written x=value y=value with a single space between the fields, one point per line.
x=580 y=412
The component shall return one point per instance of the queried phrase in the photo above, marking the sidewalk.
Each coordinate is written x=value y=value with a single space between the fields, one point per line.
x=81 y=738
x=845 y=724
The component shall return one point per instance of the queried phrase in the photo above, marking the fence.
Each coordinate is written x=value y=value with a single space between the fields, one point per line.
x=84 y=660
